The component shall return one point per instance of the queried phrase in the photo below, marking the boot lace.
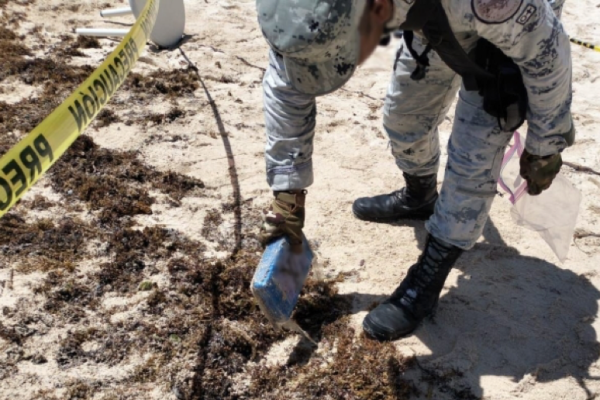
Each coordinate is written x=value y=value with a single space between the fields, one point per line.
x=418 y=187
x=413 y=185
x=421 y=276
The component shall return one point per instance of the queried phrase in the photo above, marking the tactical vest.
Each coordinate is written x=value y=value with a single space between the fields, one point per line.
x=485 y=69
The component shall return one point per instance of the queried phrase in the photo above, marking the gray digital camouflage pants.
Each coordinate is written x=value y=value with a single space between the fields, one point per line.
x=412 y=113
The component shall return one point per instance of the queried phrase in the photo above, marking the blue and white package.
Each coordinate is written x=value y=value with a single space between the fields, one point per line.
x=279 y=278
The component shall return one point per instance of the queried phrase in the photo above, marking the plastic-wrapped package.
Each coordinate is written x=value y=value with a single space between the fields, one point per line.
x=279 y=278
x=553 y=213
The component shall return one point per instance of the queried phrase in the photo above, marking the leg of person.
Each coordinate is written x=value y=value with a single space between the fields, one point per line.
x=412 y=113
x=290 y=127
x=475 y=152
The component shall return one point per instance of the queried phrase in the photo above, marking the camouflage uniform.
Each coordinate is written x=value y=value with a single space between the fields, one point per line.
x=525 y=30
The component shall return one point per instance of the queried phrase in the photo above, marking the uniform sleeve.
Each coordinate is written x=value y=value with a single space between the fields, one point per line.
x=290 y=128
x=535 y=39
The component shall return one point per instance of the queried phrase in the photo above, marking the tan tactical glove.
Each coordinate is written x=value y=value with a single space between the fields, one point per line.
x=285 y=216
x=539 y=172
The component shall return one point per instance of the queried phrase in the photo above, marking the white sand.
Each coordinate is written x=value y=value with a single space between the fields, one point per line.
x=512 y=323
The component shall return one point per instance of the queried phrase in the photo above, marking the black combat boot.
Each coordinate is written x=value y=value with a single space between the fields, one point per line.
x=415 y=201
x=417 y=295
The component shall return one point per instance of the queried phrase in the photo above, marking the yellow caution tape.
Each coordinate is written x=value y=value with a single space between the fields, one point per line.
x=29 y=159
x=585 y=44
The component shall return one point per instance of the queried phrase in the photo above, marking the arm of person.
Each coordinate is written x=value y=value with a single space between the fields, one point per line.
x=290 y=128
x=531 y=34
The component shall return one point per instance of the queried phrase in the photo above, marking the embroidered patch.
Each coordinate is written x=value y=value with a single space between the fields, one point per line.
x=527 y=14
x=495 y=11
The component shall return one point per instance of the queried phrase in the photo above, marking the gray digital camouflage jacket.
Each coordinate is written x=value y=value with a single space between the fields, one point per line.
x=530 y=32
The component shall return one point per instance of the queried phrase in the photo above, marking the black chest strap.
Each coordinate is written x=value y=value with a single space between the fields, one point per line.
x=430 y=17
x=487 y=69
x=421 y=59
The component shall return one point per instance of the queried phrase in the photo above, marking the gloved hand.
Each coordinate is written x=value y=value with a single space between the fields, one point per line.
x=539 y=172
x=285 y=216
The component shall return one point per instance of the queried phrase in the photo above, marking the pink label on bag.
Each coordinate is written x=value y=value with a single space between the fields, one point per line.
x=510 y=179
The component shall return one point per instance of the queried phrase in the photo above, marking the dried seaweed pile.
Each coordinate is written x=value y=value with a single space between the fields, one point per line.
x=198 y=334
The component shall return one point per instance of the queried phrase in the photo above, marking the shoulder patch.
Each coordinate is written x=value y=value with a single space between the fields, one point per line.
x=495 y=11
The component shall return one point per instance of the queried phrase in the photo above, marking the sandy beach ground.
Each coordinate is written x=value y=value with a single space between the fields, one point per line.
x=124 y=272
